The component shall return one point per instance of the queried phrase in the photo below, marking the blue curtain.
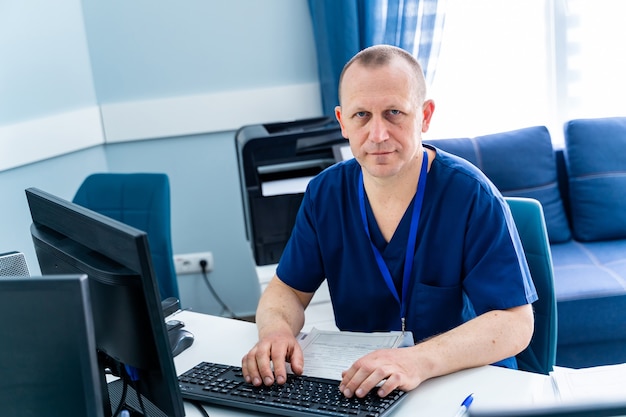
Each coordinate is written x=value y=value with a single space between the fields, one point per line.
x=342 y=28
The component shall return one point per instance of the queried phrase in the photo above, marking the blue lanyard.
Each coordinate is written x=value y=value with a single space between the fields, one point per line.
x=410 y=247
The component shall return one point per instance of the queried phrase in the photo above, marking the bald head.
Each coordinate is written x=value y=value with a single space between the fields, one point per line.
x=382 y=55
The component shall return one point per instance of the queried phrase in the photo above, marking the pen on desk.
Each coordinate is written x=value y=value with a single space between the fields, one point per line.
x=464 y=406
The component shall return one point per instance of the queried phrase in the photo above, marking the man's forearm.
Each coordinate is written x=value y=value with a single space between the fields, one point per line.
x=486 y=339
x=279 y=307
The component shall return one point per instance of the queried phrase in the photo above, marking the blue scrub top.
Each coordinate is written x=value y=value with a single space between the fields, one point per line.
x=468 y=257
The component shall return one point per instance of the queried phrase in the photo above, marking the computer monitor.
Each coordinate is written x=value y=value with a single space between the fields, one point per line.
x=47 y=354
x=131 y=337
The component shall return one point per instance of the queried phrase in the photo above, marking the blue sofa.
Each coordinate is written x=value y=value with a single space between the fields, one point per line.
x=582 y=188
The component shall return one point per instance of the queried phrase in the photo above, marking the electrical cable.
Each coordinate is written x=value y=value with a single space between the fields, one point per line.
x=203 y=265
x=129 y=381
x=120 y=406
x=135 y=385
x=200 y=408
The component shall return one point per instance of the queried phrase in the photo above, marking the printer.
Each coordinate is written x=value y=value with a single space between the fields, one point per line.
x=276 y=162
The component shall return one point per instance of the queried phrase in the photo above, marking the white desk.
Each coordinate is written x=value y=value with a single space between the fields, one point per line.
x=225 y=341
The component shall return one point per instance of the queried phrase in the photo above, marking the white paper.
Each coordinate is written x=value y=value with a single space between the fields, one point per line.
x=328 y=353
x=287 y=186
x=599 y=382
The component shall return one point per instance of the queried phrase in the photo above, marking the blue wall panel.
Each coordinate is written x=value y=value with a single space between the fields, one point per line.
x=145 y=49
x=44 y=61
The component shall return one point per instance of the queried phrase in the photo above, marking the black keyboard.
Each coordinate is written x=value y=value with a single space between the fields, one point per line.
x=299 y=396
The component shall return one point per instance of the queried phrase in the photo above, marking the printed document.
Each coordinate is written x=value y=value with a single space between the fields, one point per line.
x=328 y=353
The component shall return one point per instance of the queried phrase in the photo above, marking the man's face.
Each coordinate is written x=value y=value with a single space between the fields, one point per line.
x=382 y=117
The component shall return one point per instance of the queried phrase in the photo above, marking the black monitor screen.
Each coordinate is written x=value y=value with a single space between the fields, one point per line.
x=47 y=354
x=131 y=338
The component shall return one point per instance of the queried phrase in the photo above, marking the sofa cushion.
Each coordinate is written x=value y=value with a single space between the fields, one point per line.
x=589 y=269
x=590 y=286
x=521 y=163
x=596 y=162
x=591 y=332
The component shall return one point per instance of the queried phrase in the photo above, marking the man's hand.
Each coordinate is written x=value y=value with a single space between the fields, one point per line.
x=396 y=367
x=279 y=317
x=266 y=361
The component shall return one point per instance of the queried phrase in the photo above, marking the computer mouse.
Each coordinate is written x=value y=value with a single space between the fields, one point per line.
x=180 y=340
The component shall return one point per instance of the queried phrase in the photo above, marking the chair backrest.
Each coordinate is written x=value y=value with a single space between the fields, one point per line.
x=540 y=355
x=140 y=200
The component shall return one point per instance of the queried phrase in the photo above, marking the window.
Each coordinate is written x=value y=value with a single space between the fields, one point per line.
x=594 y=67
x=508 y=64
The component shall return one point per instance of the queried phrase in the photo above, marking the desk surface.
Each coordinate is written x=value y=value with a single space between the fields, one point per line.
x=225 y=341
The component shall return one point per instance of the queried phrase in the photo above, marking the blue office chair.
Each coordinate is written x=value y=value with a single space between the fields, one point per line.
x=141 y=200
x=540 y=355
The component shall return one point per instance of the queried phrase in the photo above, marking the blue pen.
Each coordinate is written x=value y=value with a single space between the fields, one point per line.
x=464 y=406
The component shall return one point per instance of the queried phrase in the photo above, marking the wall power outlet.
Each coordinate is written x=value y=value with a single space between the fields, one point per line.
x=189 y=263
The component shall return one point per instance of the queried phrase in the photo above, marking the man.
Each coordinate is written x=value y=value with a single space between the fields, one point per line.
x=444 y=261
